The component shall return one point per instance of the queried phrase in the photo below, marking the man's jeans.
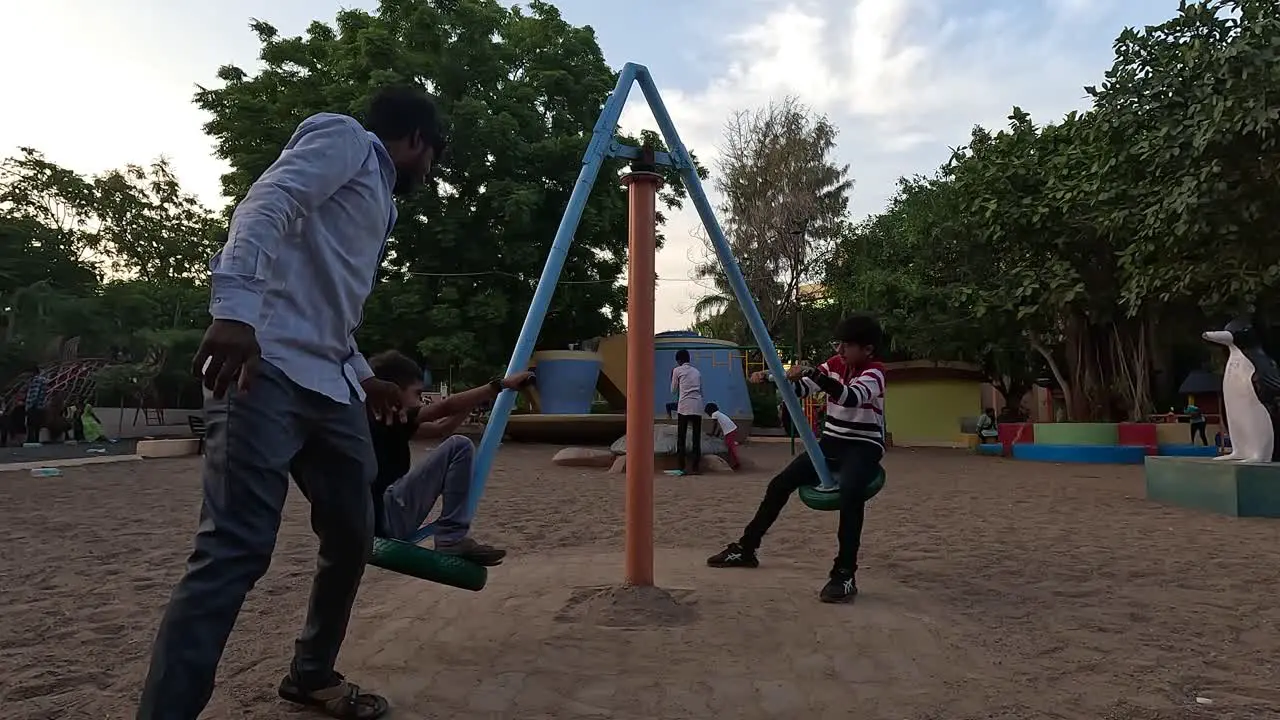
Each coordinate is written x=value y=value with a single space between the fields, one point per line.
x=254 y=442
x=445 y=472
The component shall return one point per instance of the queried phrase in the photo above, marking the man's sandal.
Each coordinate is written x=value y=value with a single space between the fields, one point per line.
x=344 y=700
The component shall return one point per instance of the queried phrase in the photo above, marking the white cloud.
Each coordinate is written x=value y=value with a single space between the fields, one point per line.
x=903 y=79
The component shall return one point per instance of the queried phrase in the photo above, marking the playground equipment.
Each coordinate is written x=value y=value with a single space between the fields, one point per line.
x=566 y=381
x=722 y=365
x=642 y=184
x=816 y=498
x=567 y=384
x=569 y=380
x=414 y=561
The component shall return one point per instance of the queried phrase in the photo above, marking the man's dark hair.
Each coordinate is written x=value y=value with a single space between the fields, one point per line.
x=711 y=408
x=397 y=112
x=394 y=366
x=682 y=356
x=34 y=369
x=859 y=329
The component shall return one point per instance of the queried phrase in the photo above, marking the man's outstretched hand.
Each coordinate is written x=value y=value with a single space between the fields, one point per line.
x=385 y=400
x=518 y=381
x=229 y=351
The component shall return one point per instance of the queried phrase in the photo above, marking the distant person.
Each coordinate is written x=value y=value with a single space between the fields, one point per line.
x=1198 y=424
x=988 y=430
x=288 y=392
x=74 y=416
x=404 y=492
x=36 y=400
x=91 y=425
x=726 y=427
x=13 y=421
x=686 y=384
x=853 y=442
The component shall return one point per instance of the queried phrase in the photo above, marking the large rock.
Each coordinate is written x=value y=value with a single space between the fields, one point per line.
x=714 y=464
x=583 y=457
x=664 y=442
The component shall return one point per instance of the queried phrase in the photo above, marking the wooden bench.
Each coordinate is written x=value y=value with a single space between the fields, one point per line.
x=196 y=423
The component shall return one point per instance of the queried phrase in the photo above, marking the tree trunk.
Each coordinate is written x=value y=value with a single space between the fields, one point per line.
x=1088 y=359
x=1052 y=362
x=1132 y=364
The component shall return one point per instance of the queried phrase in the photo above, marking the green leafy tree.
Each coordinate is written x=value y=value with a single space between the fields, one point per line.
x=522 y=90
x=1098 y=240
x=61 y=233
x=149 y=228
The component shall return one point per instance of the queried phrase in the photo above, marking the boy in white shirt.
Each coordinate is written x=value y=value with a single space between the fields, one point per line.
x=726 y=427
x=686 y=383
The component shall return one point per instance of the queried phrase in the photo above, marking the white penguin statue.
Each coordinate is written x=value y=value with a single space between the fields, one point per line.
x=1250 y=389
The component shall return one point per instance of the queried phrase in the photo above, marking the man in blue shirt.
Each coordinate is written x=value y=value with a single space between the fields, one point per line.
x=286 y=395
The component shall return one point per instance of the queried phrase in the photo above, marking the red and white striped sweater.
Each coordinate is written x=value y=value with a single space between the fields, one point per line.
x=855 y=399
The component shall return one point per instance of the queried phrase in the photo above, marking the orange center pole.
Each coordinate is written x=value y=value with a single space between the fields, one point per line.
x=642 y=194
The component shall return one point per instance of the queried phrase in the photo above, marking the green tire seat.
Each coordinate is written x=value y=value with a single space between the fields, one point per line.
x=414 y=561
x=827 y=500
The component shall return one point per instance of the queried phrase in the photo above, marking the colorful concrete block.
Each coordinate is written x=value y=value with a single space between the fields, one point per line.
x=1070 y=433
x=1238 y=489
x=1106 y=454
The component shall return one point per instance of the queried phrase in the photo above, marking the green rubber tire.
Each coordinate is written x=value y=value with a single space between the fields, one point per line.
x=414 y=561
x=828 y=500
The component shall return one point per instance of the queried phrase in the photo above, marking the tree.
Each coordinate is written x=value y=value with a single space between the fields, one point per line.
x=784 y=204
x=906 y=265
x=1099 y=238
x=60 y=232
x=149 y=228
x=522 y=89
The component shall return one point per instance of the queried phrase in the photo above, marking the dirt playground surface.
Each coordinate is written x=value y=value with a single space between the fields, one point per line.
x=990 y=589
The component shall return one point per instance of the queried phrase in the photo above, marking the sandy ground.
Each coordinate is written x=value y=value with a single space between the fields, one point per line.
x=991 y=589
x=64 y=451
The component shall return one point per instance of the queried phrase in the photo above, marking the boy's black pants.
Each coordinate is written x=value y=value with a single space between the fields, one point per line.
x=685 y=423
x=855 y=464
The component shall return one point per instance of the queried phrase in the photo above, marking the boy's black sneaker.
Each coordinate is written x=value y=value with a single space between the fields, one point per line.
x=733 y=557
x=477 y=552
x=839 y=589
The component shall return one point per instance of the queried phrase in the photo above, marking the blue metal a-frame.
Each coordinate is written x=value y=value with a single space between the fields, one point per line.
x=605 y=145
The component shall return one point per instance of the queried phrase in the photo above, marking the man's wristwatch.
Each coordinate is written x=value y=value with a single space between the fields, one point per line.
x=496 y=384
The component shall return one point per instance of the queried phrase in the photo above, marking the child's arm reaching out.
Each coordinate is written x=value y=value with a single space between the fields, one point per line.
x=861 y=388
x=795 y=374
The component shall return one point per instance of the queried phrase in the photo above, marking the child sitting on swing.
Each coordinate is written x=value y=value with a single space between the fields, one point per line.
x=404 y=493
x=852 y=443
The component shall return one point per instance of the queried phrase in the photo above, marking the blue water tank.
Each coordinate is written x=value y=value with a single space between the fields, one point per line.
x=723 y=368
x=566 y=382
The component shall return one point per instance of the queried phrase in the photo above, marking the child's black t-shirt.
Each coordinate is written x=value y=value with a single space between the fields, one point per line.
x=391 y=449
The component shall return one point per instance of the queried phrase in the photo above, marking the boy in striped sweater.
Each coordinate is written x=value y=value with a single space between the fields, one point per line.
x=852 y=442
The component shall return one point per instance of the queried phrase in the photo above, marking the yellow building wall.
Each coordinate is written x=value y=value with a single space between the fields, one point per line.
x=927 y=413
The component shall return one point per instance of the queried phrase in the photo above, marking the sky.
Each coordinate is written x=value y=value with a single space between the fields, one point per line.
x=97 y=84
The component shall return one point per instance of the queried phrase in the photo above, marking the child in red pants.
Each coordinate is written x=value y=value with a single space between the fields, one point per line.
x=726 y=427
